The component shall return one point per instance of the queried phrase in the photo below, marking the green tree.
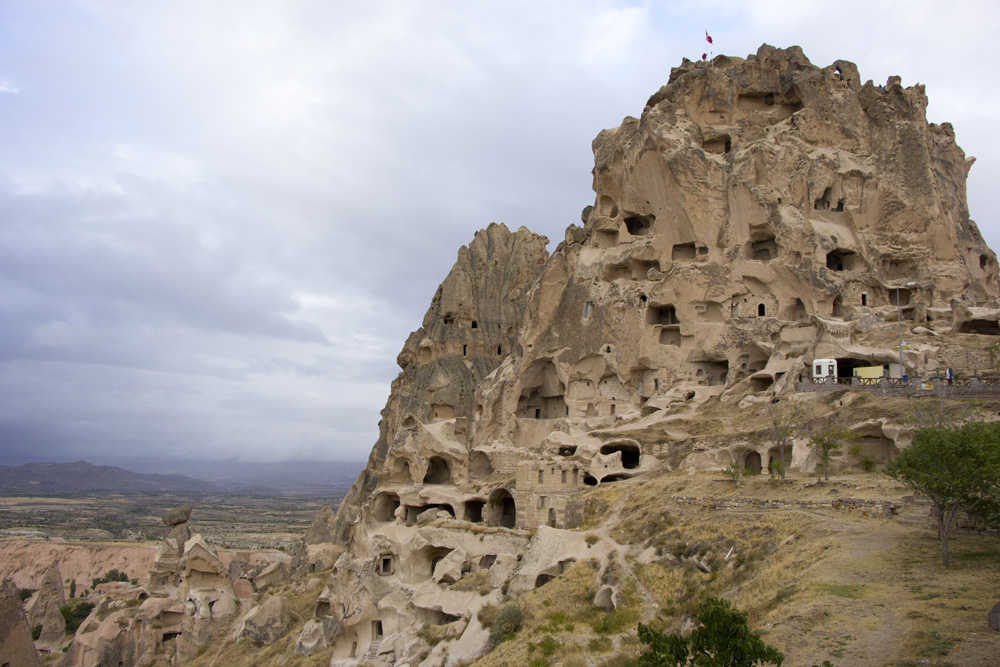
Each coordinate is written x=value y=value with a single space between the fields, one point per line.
x=722 y=640
x=956 y=467
x=828 y=442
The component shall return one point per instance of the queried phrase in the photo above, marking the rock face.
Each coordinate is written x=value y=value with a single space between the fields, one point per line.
x=190 y=601
x=267 y=622
x=760 y=214
x=45 y=606
x=16 y=647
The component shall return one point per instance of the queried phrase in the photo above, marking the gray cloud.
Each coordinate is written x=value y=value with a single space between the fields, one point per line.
x=219 y=221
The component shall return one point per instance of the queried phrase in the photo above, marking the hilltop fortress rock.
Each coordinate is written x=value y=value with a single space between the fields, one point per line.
x=761 y=213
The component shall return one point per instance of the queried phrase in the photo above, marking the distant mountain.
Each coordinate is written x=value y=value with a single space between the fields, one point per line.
x=308 y=478
x=82 y=477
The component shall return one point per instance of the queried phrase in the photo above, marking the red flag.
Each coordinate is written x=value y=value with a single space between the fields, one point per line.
x=708 y=38
x=704 y=56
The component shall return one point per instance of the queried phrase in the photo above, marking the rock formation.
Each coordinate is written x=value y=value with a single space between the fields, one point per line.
x=760 y=214
x=16 y=647
x=44 y=607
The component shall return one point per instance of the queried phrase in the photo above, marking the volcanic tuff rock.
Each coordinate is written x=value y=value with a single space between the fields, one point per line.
x=44 y=608
x=761 y=212
x=16 y=647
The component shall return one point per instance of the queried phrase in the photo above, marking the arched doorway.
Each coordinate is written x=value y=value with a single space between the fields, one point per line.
x=501 y=509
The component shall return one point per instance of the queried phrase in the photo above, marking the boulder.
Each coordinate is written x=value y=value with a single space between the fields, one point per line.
x=267 y=622
x=449 y=569
x=311 y=638
x=275 y=574
x=177 y=515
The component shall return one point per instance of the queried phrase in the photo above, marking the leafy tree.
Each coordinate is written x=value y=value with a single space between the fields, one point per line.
x=111 y=575
x=828 y=442
x=75 y=613
x=722 y=640
x=956 y=467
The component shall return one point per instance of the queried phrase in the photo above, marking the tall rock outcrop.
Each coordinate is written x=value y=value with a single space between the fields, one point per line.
x=760 y=214
x=16 y=647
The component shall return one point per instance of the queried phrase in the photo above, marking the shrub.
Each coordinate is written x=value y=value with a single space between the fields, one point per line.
x=722 y=639
x=36 y=632
x=549 y=646
x=507 y=623
x=110 y=575
x=599 y=645
x=74 y=613
x=487 y=615
x=24 y=593
x=613 y=622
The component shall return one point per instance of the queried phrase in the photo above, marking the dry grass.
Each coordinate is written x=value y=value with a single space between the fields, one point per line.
x=231 y=654
x=819 y=583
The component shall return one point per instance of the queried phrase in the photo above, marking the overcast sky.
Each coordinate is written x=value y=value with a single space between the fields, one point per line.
x=220 y=220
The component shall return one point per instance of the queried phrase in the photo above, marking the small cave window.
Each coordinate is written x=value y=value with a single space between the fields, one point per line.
x=499 y=351
x=840 y=260
x=761 y=310
x=719 y=145
x=474 y=511
x=642 y=299
x=839 y=208
x=564 y=474
x=588 y=308
x=769 y=99
x=639 y=225
x=480 y=465
x=823 y=203
x=475 y=324
x=465 y=350
x=629 y=453
x=541 y=476
x=376 y=630
x=864 y=299
x=449 y=320
x=543 y=579
x=590 y=480
x=385 y=506
x=838 y=306
x=665 y=315
x=607 y=349
x=984 y=261
x=438 y=471
x=567 y=450
x=764 y=250
x=682 y=251
x=612 y=408
x=385 y=565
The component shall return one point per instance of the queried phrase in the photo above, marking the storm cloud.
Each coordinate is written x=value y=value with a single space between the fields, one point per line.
x=219 y=221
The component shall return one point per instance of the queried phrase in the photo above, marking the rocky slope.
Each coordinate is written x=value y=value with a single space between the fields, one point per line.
x=760 y=214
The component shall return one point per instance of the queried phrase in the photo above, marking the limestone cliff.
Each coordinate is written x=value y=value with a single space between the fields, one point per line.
x=760 y=214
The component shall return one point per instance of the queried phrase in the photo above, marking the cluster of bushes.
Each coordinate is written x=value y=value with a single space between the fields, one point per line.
x=74 y=613
x=109 y=576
